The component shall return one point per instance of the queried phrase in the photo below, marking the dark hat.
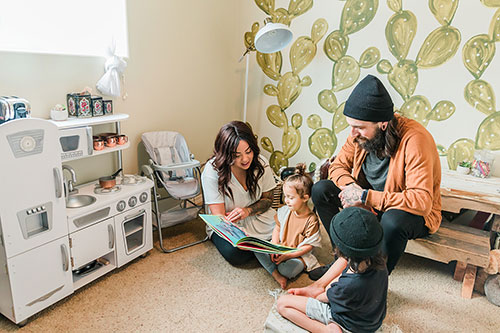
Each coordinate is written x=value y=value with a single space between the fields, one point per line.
x=369 y=101
x=357 y=232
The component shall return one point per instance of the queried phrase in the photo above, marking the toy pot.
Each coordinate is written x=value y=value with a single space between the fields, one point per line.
x=98 y=144
x=111 y=141
x=109 y=181
x=121 y=139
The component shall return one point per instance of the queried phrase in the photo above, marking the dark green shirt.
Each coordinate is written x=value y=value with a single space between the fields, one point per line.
x=375 y=170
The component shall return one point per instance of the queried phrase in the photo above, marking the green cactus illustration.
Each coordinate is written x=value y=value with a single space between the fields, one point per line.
x=494 y=30
x=443 y=10
x=419 y=108
x=491 y=3
x=460 y=150
x=289 y=87
x=290 y=140
x=438 y=47
x=480 y=95
x=282 y=15
x=399 y=32
x=477 y=54
x=369 y=57
x=488 y=133
x=335 y=46
x=402 y=72
x=356 y=15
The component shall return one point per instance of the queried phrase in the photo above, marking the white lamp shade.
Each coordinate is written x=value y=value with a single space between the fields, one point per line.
x=273 y=37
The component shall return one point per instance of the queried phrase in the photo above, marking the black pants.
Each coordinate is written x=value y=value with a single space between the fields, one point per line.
x=399 y=226
x=232 y=254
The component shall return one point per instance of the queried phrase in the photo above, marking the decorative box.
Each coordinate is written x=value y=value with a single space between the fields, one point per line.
x=79 y=105
x=97 y=106
x=108 y=106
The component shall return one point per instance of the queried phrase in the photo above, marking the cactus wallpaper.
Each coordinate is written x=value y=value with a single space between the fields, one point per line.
x=436 y=59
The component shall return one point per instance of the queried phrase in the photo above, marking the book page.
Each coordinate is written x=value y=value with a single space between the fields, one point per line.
x=222 y=226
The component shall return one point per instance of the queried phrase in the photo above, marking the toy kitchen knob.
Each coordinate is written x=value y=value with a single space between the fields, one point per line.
x=132 y=201
x=27 y=143
x=143 y=197
x=121 y=205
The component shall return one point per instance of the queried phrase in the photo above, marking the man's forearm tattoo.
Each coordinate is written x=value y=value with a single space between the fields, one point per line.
x=352 y=195
x=262 y=205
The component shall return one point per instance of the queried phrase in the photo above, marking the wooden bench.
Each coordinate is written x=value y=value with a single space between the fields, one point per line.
x=470 y=247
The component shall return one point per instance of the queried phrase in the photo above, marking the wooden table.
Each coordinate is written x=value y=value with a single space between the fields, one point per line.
x=469 y=192
x=468 y=246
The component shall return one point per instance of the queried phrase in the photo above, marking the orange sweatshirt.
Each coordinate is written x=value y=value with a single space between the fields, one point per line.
x=413 y=179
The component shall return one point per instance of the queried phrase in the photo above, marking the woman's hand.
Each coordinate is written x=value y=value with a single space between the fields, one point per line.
x=237 y=214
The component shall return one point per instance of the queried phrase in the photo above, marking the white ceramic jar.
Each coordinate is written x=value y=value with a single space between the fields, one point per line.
x=58 y=115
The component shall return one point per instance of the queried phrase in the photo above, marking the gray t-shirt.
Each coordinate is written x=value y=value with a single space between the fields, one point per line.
x=375 y=170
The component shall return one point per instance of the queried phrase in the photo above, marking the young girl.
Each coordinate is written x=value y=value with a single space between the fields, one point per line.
x=296 y=226
x=356 y=300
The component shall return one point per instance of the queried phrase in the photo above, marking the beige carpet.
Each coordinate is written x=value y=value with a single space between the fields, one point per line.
x=195 y=290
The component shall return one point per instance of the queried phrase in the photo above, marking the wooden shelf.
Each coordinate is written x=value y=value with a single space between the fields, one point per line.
x=78 y=122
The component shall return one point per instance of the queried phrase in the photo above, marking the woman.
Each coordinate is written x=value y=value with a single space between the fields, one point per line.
x=237 y=183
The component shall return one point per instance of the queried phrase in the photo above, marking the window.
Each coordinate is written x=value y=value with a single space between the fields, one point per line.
x=72 y=27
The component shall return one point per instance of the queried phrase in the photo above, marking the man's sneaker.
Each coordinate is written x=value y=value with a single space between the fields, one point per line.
x=318 y=272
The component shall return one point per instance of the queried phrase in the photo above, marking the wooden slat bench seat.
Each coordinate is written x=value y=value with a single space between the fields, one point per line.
x=470 y=247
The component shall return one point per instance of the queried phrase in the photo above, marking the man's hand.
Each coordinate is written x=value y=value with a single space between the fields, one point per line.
x=351 y=195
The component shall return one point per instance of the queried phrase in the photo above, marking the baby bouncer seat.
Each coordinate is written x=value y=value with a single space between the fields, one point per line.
x=173 y=168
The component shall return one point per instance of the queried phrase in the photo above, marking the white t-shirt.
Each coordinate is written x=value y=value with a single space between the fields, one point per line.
x=260 y=225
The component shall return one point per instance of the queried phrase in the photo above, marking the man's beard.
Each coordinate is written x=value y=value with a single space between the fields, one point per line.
x=374 y=145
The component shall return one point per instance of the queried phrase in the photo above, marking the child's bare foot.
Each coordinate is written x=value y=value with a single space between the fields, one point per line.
x=280 y=279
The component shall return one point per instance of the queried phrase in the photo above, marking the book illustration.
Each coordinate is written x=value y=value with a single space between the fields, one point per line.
x=238 y=238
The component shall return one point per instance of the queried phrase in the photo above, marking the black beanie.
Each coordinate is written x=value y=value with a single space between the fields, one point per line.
x=357 y=232
x=369 y=101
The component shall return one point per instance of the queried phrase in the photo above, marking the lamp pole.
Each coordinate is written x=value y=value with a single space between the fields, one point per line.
x=245 y=98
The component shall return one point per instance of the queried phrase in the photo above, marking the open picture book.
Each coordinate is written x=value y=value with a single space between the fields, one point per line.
x=237 y=237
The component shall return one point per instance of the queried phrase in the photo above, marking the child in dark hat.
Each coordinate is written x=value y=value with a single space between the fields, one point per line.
x=356 y=299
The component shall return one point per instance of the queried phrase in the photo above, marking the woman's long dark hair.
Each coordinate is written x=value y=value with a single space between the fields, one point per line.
x=226 y=144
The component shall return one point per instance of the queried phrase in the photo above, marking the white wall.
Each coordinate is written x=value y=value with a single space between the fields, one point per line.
x=182 y=75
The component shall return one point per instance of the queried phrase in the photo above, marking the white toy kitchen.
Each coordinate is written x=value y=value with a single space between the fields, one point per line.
x=55 y=238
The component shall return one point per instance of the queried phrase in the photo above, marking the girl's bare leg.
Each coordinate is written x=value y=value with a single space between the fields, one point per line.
x=293 y=308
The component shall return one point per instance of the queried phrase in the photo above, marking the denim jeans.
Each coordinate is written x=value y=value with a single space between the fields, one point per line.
x=289 y=269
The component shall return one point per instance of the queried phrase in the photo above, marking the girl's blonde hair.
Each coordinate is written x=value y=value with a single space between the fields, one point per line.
x=300 y=180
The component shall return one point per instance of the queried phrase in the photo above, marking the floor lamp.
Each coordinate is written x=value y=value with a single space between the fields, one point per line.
x=273 y=37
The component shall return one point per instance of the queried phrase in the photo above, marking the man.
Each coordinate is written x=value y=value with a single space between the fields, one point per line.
x=389 y=165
